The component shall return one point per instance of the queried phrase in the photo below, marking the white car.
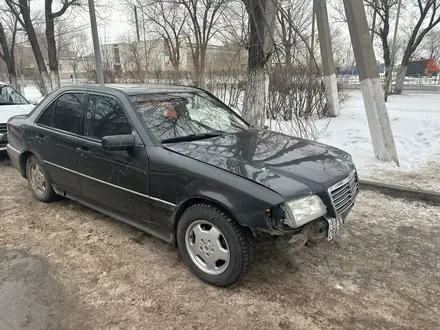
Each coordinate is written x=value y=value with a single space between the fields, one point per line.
x=11 y=103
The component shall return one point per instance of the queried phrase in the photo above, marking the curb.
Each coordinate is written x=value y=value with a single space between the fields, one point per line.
x=402 y=192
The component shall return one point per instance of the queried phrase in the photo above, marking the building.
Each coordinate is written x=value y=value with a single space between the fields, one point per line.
x=154 y=55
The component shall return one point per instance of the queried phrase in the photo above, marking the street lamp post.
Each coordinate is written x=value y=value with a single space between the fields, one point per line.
x=98 y=61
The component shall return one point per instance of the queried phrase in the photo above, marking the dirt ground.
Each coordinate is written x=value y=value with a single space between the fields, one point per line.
x=425 y=177
x=63 y=266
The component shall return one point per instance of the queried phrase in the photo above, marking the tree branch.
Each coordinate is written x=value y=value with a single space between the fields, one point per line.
x=66 y=5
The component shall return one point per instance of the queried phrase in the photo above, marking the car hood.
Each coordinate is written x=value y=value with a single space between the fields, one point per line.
x=285 y=164
x=7 y=111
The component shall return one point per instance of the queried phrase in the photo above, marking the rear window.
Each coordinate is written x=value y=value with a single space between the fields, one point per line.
x=65 y=113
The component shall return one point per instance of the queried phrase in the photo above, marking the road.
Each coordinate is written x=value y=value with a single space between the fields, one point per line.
x=63 y=266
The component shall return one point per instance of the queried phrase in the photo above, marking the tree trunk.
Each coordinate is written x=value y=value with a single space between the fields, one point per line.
x=254 y=101
x=201 y=73
x=402 y=71
x=254 y=108
x=13 y=77
x=400 y=79
x=14 y=81
x=52 y=48
x=7 y=56
x=44 y=83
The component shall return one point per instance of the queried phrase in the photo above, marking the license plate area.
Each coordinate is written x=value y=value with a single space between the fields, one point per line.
x=334 y=226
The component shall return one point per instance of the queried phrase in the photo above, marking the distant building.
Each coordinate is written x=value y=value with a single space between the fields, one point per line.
x=155 y=55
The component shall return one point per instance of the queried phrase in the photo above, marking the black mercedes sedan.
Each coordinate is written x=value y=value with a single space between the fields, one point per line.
x=179 y=164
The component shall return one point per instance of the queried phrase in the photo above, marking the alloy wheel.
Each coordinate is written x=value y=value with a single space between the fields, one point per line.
x=38 y=181
x=207 y=247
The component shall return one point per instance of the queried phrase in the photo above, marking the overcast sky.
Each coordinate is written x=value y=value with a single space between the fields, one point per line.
x=113 y=18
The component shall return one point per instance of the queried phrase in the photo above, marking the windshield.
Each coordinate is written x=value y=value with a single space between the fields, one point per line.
x=177 y=115
x=9 y=96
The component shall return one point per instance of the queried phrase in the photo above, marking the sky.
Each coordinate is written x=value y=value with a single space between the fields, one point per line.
x=112 y=18
x=114 y=21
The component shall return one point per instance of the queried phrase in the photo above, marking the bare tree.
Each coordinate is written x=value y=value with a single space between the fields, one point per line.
x=262 y=21
x=428 y=17
x=7 y=53
x=290 y=41
x=50 y=17
x=134 y=57
x=235 y=24
x=22 y=12
x=431 y=45
x=204 y=17
x=77 y=49
x=168 y=20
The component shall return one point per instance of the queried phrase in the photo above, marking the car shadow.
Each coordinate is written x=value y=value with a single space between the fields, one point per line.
x=4 y=158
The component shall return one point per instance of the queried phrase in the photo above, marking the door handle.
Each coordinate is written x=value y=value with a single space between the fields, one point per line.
x=41 y=137
x=83 y=151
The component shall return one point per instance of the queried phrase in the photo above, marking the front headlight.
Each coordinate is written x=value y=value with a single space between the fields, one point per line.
x=303 y=210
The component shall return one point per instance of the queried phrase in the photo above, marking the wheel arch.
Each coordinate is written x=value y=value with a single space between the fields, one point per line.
x=23 y=162
x=194 y=201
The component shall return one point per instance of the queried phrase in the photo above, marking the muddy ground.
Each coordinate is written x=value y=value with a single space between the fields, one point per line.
x=63 y=266
x=425 y=177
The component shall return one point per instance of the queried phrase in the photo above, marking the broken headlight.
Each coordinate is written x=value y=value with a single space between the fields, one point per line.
x=303 y=210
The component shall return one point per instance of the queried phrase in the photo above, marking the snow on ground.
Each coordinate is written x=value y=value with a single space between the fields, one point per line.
x=415 y=120
x=32 y=93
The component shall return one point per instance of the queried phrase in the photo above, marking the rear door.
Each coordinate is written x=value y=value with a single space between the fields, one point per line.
x=116 y=180
x=56 y=132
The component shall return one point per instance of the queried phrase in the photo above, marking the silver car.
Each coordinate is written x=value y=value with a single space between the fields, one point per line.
x=11 y=103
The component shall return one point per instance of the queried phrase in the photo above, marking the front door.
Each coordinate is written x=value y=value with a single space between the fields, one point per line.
x=55 y=133
x=116 y=180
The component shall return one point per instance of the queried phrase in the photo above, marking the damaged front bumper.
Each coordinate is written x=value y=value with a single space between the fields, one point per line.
x=325 y=228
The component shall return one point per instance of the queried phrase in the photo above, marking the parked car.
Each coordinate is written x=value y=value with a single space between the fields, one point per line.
x=11 y=103
x=179 y=164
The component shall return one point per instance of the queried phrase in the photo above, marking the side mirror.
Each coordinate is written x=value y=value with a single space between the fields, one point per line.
x=118 y=142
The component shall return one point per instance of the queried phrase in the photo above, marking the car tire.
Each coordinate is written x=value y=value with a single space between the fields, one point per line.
x=39 y=181
x=213 y=245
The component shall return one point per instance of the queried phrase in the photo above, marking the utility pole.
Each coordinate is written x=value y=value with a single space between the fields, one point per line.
x=310 y=68
x=389 y=81
x=374 y=20
x=145 y=42
x=371 y=86
x=98 y=61
x=137 y=23
x=328 y=64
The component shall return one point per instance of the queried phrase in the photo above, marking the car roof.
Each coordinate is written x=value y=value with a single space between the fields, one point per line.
x=134 y=89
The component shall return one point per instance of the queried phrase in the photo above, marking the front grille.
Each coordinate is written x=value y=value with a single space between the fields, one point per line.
x=3 y=128
x=344 y=192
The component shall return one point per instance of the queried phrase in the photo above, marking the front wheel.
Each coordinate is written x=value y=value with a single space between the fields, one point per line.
x=213 y=245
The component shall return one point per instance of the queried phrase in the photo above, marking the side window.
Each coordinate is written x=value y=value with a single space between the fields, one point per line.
x=4 y=97
x=14 y=96
x=46 y=118
x=67 y=114
x=105 y=117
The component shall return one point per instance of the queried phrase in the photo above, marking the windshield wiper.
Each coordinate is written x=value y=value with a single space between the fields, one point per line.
x=193 y=137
